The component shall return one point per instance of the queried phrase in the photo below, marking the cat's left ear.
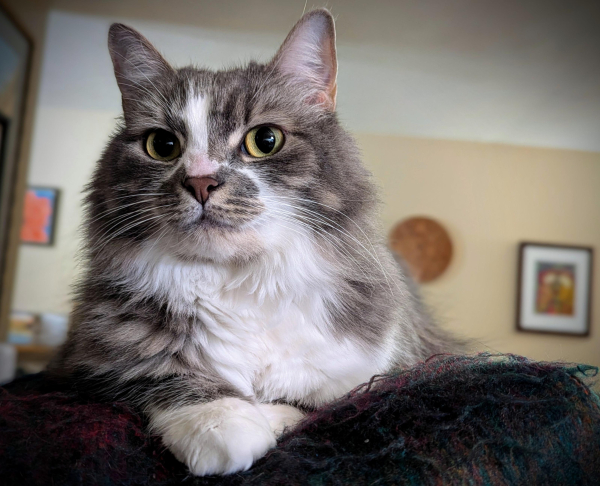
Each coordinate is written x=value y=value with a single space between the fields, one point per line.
x=308 y=57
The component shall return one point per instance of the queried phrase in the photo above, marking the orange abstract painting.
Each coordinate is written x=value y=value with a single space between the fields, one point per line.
x=39 y=213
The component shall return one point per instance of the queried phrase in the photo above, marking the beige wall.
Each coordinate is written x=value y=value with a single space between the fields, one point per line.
x=491 y=197
x=45 y=274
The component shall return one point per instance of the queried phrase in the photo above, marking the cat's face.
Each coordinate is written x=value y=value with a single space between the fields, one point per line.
x=225 y=165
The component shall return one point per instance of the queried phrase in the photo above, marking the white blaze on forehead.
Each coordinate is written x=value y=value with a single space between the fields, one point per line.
x=196 y=120
x=195 y=115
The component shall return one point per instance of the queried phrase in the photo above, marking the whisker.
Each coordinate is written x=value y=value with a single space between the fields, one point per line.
x=127 y=228
x=373 y=253
x=163 y=233
x=130 y=225
x=332 y=239
x=109 y=211
x=138 y=193
x=116 y=221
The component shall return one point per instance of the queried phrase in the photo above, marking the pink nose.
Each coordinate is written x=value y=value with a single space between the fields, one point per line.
x=201 y=187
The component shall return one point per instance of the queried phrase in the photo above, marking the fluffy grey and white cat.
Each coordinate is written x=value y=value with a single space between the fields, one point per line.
x=234 y=267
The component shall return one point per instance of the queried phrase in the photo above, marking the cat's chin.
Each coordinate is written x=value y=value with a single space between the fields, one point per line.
x=207 y=222
x=220 y=243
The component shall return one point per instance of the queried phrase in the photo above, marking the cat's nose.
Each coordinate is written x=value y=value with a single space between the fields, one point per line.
x=201 y=187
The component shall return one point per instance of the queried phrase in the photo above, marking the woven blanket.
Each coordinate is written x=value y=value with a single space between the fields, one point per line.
x=482 y=420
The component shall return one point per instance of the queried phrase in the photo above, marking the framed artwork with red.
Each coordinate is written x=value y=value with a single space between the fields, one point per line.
x=554 y=289
x=39 y=216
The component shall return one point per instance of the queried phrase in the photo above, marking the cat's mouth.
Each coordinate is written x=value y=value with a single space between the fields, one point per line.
x=209 y=220
x=214 y=217
x=226 y=215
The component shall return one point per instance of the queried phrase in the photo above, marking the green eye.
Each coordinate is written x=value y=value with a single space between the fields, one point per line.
x=162 y=145
x=263 y=141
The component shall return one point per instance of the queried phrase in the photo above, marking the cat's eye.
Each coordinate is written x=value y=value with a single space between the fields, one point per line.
x=263 y=141
x=162 y=145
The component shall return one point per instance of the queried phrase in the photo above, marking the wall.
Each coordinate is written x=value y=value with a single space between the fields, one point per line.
x=517 y=72
x=491 y=197
x=67 y=142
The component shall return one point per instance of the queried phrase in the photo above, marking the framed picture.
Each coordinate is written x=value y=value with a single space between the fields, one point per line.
x=39 y=215
x=554 y=289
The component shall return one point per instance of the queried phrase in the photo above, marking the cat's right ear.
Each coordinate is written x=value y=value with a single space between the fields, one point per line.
x=136 y=62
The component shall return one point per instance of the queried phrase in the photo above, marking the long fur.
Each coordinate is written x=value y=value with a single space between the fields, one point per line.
x=278 y=288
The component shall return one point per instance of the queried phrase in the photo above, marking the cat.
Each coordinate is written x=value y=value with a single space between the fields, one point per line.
x=234 y=270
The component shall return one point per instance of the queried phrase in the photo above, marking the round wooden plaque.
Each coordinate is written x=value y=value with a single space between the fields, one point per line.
x=425 y=246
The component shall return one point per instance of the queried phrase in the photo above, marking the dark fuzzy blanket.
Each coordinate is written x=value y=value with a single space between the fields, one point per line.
x=483 y=420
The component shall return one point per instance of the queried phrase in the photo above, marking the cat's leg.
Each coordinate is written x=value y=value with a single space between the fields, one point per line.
x=280 y=416
x=217 y=437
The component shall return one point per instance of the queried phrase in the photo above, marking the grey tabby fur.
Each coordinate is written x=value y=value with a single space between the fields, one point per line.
x=236 y=302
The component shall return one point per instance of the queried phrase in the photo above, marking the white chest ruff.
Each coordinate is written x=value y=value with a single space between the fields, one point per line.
x=288 y=354
x=267 y=329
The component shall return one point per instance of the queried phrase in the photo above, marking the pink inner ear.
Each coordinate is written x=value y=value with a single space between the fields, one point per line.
x=308 y=57
x=322 y=98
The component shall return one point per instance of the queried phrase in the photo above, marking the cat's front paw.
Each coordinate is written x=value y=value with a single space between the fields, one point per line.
x=280 y=416
x=219 y=437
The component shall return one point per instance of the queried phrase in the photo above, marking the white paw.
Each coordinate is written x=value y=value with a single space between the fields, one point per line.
x=280 y=417
x=219 y=437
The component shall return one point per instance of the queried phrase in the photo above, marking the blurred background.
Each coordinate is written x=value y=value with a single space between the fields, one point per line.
x=482 y=115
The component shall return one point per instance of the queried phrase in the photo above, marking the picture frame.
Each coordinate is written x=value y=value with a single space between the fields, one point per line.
x=554 y=289
x=3 y=134
x=16 y=49
x=39 y=216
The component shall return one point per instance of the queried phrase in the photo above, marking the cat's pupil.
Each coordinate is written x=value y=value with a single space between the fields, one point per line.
x=265 y=140
x=164 y=143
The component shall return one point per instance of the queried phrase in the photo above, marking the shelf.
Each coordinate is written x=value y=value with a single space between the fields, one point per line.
x=35 y=351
